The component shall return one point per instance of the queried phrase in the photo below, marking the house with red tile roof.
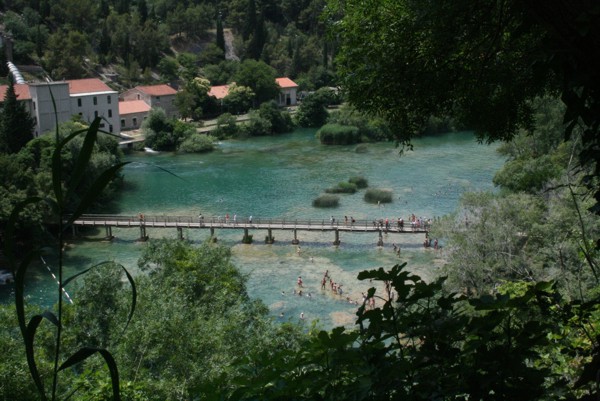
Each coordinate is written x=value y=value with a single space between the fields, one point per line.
x=219 y=91
x=133 y=113
x=288 y=95
x=88 y=98
x=162 y=96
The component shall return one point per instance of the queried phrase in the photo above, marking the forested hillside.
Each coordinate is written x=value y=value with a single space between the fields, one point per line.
x=144 y=41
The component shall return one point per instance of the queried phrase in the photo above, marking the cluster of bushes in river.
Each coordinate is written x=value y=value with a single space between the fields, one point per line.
x=345 y=187
x=374 y=195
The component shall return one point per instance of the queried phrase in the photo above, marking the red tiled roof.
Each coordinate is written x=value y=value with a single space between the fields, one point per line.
x=219 y=91
x=157 y=90
x=285 y=82
x=88 y=85
x=22 y=91
x=133 y=106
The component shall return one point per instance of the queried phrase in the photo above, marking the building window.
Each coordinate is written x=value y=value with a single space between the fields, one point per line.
x=134 y=122
x=109 y=112
x=78 y=102
x=122 y=122
x=110 y=128
x=108 y=99
x=95 y=100
x=81 y=114
x=34 y=106
x=96 y=114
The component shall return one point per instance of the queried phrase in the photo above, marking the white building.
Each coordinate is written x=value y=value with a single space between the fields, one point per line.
x=49 y=102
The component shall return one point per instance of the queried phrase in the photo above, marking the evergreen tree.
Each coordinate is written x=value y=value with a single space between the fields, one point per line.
x=143 y=10
x=220 y=34
x=250 y=26
x=16 y=125
x=3 y=60
x=257 y=41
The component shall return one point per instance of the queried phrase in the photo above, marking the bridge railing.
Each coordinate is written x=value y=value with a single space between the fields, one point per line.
x=247 y=221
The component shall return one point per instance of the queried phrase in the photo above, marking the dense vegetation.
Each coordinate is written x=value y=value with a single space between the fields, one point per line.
x=516 y=319
x=178 y=41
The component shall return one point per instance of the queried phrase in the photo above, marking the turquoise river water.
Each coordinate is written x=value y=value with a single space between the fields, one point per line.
x=278 y=177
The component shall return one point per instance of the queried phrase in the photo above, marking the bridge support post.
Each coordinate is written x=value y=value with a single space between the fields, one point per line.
x=247 y=239
x=109 y=235
x=295 y=240
x=74 y=230
x=269 y=238
x=143 y=236
x=213 y=238
x=337 y=237
x=180 y=233
x=380 y=241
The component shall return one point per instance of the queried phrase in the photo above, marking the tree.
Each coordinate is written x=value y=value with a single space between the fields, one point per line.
x=65 y=55
x=16 y=125
x=220 y=35
x=238 y=100
x=280 y=119
x=480 y=62
x=259 y=77
x=312 y=111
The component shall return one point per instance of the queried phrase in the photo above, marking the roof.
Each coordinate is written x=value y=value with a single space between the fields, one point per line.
x=285 y=82
x=157 y=90
x=88 y=85
x=219 y=91
x=22 y=91
x=133 y=106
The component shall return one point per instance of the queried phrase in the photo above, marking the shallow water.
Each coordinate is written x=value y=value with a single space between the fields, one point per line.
x=278 y=177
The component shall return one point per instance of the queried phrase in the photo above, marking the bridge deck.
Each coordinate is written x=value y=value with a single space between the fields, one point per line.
x=164 y=221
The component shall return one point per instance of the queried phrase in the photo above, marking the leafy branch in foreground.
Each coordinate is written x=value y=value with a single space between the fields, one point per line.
x=63 y=213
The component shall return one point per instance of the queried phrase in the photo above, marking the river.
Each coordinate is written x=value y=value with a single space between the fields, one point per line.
x=278 y=177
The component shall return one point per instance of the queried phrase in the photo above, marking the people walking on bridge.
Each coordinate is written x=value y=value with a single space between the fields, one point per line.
x=299 y=281
x=250 y=219
x=234 y=219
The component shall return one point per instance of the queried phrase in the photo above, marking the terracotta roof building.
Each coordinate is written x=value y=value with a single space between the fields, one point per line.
x=162 y=96
x=133 y=113
x=288 y=96
x=89 y=98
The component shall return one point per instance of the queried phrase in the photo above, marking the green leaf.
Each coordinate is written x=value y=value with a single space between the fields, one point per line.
x=84 y=353
x=97 y=187
x=85 y=154
x=29 y=337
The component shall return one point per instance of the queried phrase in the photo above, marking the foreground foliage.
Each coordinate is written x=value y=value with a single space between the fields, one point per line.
x=424 y=343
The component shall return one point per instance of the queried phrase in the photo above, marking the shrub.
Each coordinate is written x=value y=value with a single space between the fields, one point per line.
x=327 y=200
x=256 y=125
x=378 y=195
x=360 y=182
x=226 y=126
x=197 y=143
x=336 y=134
x=342 y=188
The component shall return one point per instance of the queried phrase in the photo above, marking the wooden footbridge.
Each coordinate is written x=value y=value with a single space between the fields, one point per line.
x=245 y=224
